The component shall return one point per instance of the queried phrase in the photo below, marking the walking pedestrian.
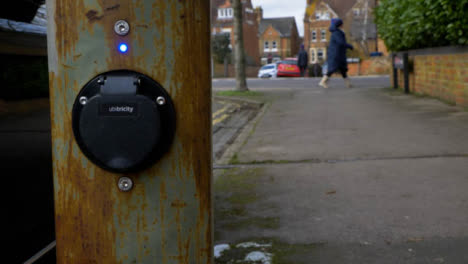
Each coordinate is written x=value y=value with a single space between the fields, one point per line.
x=302 y=60
x=337 y=61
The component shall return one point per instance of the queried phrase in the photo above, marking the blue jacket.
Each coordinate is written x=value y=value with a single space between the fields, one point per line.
x=337 y=50
x=302 y=59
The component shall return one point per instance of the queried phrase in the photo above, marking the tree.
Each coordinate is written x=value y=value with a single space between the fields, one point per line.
x=239 y=51
x=221 y=49
x=363 y=28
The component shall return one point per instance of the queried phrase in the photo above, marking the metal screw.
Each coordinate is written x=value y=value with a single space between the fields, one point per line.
x=83 y=100
x=125 y=184
x=100 y=81
x=121 y=27
x=161 y=100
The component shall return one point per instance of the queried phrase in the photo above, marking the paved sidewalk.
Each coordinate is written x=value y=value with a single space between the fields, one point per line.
x=362 y=175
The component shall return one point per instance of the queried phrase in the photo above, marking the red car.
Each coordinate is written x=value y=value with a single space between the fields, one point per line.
x=288 y=68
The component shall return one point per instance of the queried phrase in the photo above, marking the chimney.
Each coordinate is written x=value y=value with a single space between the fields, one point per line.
x=259 y=14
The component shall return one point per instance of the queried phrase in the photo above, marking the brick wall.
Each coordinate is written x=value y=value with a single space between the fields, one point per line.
x=371 y=66
x=250 y=71
x=251 y=43
x=441 y=73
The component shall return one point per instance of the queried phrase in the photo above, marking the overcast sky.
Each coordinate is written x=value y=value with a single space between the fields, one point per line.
x=283 y=8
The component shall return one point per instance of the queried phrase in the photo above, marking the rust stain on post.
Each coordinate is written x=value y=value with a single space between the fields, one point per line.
x=167 y=217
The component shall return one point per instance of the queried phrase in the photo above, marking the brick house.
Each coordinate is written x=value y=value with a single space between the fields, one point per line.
x=360 y=20
x=278 y=37
x=317 y=21
x=222 y=19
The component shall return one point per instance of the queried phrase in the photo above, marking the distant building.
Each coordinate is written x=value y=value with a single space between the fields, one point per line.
x=359 y=26
x=222 y=17
x=278 y=37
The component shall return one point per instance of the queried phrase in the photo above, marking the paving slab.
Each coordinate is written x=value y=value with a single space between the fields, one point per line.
x=356 y=123
x=361 y=175
x=395 y=211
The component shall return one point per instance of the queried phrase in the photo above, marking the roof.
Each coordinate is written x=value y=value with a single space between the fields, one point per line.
x=37 y=26
x=20 y=38
x=341 y=7
x=284 y=25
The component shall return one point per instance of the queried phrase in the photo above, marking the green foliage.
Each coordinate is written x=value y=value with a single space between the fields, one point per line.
x=220 y=43
x=414 y=24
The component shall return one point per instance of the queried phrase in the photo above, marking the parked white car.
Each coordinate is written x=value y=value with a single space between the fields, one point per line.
x=268 y=71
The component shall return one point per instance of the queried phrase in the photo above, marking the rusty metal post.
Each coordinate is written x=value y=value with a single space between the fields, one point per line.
x=167 y=216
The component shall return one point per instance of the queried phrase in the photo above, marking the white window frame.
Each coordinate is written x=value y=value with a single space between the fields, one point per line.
x=274 y=46
x=225 y=13
x=356 y=11
x=318 y=15
x=266 y=46
x=323 y=35
x=314 y=36
x=320 y=51
x=249 y=10
x=312 y=55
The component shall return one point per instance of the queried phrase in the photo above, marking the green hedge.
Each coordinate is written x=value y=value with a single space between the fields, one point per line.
x=415 y=24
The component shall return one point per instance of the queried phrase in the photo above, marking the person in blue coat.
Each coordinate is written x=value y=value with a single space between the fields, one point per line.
x=302 y=60
x=337 y=61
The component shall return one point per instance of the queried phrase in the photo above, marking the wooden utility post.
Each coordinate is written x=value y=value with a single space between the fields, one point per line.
x=167 y=216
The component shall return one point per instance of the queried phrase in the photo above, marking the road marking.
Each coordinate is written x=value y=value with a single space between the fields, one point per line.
x=219 y=115
x=226 y=106
x=220 y=119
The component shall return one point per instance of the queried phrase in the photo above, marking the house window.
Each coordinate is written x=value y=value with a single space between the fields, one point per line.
x=266 y=46
x=322 y=16
x=317 y=15
x=314 y=36
x=224 y=13
x=356 y=11
x=320 y=54
x=274 y=45
x=323 y=35
x=312 y=55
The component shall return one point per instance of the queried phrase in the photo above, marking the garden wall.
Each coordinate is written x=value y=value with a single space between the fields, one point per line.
x=439 y=72
x=370 y=66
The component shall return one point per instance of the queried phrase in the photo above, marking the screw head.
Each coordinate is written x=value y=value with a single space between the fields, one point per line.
x=161 y=100
x=83 y=100
x=125 y=184
x=121 y=27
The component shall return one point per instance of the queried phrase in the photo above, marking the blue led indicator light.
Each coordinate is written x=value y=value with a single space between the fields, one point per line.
x=123 y=48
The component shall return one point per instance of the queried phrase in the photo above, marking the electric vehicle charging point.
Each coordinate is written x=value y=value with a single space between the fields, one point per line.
x=131 y=130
